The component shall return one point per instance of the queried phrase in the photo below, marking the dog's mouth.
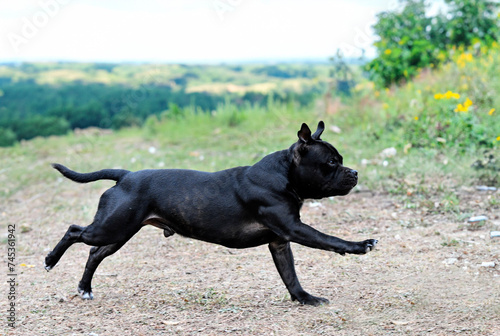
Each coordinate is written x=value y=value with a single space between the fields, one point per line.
x=345 y=191
x=347 y=185
x=353 y=183
x=350 y=180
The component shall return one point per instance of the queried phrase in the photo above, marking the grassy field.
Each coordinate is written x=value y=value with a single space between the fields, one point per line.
x=426 y=276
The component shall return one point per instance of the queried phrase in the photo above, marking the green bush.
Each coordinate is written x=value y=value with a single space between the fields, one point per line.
x=454 y=107
x=445 y=126
x=40 y=126
x=472 y=20
x=411 y=40
x=7 y=137
x=124 y=119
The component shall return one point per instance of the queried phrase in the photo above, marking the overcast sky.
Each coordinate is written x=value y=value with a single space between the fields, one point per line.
x=201 y=31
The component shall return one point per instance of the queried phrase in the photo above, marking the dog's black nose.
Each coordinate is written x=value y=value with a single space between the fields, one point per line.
x=354 y=172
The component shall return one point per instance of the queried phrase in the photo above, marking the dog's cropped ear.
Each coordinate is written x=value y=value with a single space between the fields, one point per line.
x=319 y=131
x=304 y=134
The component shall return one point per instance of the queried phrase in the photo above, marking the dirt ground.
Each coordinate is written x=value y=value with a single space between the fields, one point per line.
x=424 y=278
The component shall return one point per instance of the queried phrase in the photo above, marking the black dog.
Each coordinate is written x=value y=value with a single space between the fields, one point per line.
x=238 y=208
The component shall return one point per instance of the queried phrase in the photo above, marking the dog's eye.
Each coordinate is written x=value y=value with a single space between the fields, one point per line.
x=332 y=162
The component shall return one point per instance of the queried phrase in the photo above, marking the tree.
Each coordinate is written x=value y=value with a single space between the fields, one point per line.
x=472 y=20
x=411 y=40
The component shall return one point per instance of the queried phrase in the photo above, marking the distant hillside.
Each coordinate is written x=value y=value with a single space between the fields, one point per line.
x=52 y=98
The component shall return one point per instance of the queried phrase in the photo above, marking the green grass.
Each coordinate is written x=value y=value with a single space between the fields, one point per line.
x=213 y=142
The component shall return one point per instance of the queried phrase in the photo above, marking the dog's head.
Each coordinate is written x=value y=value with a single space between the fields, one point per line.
x=317 y=169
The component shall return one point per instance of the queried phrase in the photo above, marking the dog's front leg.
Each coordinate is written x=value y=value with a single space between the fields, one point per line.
x=287 y=225
x=283 y=259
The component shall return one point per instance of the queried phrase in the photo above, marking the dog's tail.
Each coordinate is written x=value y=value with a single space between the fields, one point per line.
x=105 y=174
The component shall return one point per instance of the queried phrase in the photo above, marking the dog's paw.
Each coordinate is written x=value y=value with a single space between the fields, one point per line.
x=48 y=262
x=362 y=247
x=370 y=244
x=85 y=295
x=308 y=299
x=47 y=267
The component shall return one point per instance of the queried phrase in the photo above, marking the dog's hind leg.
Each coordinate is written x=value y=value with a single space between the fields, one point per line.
x=100 y=233
x=283 y=259
x=90 y=235
x=113 y=223
x=96 y=256
x=73 y=235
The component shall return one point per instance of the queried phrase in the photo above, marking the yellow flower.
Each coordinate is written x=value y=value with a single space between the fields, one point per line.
x=449 y=95
x=491 y=111
x=465 y=106
x=387 y=51
x=498 y=138
x=377 y=93
x=464 y=58
x=385 y=106
x=461 y=108
x=416 y=118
